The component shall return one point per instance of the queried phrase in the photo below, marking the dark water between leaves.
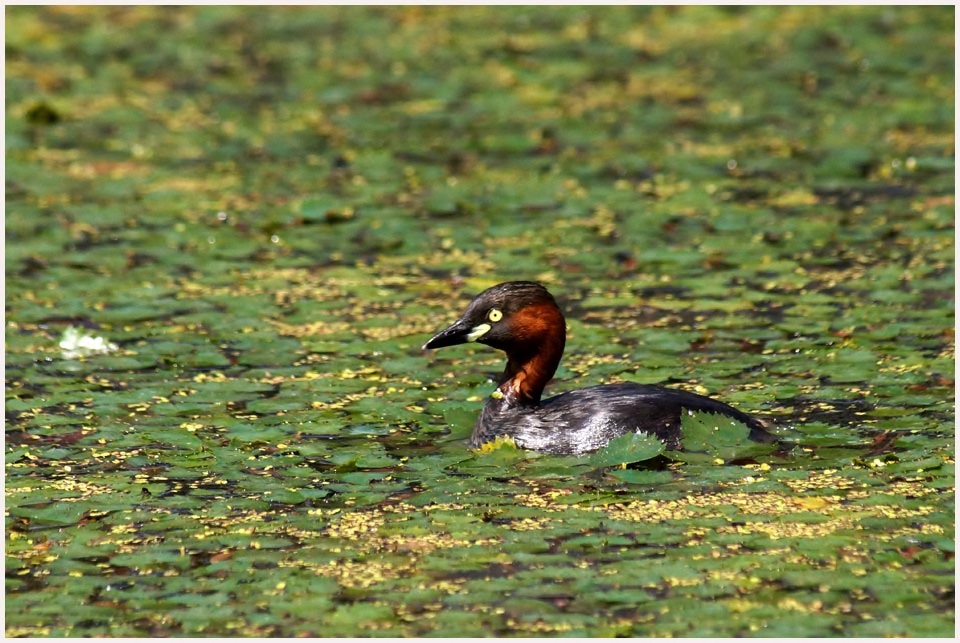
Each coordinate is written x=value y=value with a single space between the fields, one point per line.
x=257 y=217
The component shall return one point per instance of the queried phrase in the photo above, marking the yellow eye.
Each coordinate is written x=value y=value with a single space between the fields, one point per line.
x=494 y=315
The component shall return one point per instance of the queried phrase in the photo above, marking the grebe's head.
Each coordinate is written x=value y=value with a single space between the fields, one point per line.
x=515 y=316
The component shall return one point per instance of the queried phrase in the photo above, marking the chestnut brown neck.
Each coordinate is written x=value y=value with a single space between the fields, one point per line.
x=538 y=336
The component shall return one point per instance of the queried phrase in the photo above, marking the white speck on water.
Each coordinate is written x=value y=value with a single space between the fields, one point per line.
x=75 y=343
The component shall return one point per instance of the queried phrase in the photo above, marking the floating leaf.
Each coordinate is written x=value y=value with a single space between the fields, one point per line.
x=626 y=449
x=712 y=436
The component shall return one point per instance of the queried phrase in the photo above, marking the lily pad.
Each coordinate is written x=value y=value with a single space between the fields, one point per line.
x=627 y=449
x=712 y=436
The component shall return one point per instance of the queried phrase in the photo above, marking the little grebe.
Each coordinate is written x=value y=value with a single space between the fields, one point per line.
x=522 y=319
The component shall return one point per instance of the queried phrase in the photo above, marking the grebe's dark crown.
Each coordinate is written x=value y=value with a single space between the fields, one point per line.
x=488 y=317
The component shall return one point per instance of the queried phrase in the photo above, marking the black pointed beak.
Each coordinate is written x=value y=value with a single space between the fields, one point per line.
x=458 y=333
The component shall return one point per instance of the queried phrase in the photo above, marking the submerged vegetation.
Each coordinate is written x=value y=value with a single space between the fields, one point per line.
x=264 y=212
